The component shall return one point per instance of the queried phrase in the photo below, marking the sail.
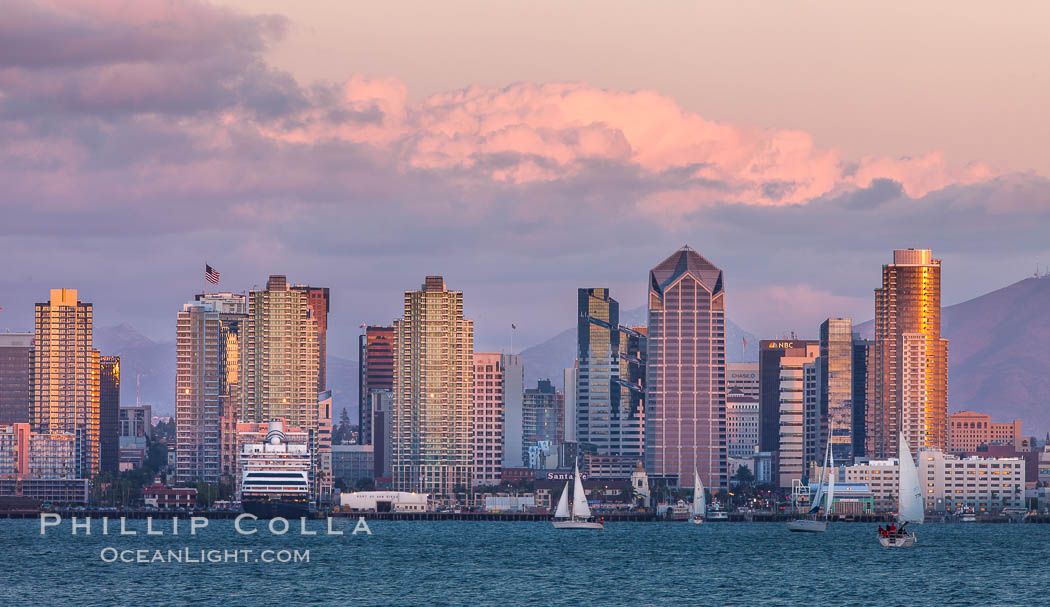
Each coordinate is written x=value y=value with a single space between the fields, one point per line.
x=563 y=503
x=815 y=506
x=910 y=508
x=699 y=500
x=580 y=509
x=831 y=483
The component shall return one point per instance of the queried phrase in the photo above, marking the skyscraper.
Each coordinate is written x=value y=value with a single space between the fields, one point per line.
x=570 y=404
x=911 y=357
x=685 y=409
x=609 y=393
x=513 y=394
x=488 y=418
x=836 y=385
x=744 y=377
x=282 y=357
x=318 y=301
x=65 y=376
x=863 y=389
x=109 y=414
x=792 y=367
x=210 y=351
x=375 y=350
x=433 y=391
x=15 y=352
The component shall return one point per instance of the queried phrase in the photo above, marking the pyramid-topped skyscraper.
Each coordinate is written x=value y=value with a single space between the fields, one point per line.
x=685 y=413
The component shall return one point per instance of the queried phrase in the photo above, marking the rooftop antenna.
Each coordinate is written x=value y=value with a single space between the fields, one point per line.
x=138 y=389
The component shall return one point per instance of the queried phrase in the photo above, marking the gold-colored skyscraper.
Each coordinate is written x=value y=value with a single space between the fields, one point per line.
x=65 y=376
x=433 y=392
x=911 y=358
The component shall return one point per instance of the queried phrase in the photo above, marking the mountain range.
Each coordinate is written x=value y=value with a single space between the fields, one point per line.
x=999 y=357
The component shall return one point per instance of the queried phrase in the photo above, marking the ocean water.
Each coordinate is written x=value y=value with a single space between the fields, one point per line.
x=494 y=563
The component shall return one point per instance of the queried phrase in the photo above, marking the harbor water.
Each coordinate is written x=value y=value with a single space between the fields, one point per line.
x=500 y=563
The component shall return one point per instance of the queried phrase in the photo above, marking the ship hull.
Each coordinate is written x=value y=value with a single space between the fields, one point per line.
x=807 y=526
x=900 y=541
x=276 y=509
x=578 y=525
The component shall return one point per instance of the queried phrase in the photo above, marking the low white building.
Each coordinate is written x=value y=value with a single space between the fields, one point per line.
x=385 y=501
x=509 y=503
x=949 y=482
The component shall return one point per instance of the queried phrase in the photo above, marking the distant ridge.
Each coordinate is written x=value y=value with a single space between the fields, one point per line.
x=999 y=354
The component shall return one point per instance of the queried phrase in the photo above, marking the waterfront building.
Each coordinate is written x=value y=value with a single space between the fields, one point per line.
x=685 y=416
x=375 y=372
x=949 y=483
x=610 y=377
x=513 y=401
x=543 y=413
x=28 y=454
x=488 y=417
x=109 y=414
x=381 y=404
x=353 y=463
x=384 y=501
x=741 y=423
x=54 y=491
x=209 y=352
x=863 y=387
x=319 y=304
x=968 y=430
x=836 y=386
x=570 y=404
x=770 y=351
x=911 y=357
x=135 y=429
x=791 y=401
x=282 y=356
x=744 y=377
x=15 y=352
x=433 y=391
x=65 y=376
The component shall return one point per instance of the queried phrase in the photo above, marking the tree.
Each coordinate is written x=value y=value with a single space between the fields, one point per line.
x=743 y=476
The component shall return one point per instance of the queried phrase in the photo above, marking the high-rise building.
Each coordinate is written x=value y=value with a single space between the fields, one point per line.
x=382 y=407
x=488 y=418
x=836 y=385
x=610 y=377
x=375 y=350
x=968 y=430
x=65 y=376
x=318 y=302
x=744 y=377
x=433 y=392
x=685 y=411
x=209 y=353
x=863 y=388
x=109 y=414
x=513 y=394
x=911 y=357
x=570 y=404
x=770 y=353
x=282 y=357
x=791 y=376
x=15 y=352
x=741 y=423
x=543 y=415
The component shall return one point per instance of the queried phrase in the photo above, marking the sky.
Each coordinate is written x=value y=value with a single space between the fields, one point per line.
x=521 y=150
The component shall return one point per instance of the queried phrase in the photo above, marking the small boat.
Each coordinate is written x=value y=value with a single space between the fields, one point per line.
x=699 y=500
x=968 y=516
x=716 y=513
x=816 y=525
x=579 y=515
x=910 y=507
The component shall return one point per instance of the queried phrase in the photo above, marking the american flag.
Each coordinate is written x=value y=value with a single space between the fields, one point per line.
x=211 y=274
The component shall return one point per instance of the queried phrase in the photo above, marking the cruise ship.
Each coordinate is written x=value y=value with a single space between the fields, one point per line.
x=275 y=476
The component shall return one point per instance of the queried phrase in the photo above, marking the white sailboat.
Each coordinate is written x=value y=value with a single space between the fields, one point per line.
x=699 y=500
x=910 y=507
x=579 y=516
x=816 y=525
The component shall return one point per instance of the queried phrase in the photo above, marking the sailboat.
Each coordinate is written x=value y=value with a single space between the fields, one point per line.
x=699 y=500
x=579 y=516
x=910 y=507
x=816 y=525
